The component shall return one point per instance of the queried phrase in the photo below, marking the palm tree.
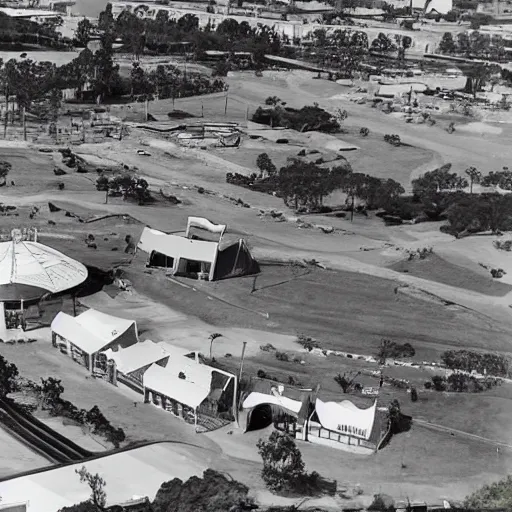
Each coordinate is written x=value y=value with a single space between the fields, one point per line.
x=212 y=338
x=474 y=177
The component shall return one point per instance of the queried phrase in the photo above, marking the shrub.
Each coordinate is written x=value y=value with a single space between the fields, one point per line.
x=8 y=374
x=307 y=342
x=394 y=140
x=414 y=395
x=282 y=356
x=439 y=383
x=364 y=132
x=268 y=347
x=343 y=382
x=262 y=374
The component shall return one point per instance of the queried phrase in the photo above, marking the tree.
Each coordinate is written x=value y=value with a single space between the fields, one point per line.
x=438 y=180
x=494 y=496
x=478 y=74
x=83 y=32
x=265 y=165
x=131 y=29
x=463 y=44
x=106 y=20
x=283 y=466
x=212 y=338
x=343 y=382
x=475 y=176
x=447 y=44
x=384 y=44
x=97 y=485
x=51 y=390
x=395 y=416
x=5 y=168
x=8 y=374
x=305 y=184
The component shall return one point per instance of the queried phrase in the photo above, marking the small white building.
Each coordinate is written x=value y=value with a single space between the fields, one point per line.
x=128 y=365
x=192 y=391
x=84 y=336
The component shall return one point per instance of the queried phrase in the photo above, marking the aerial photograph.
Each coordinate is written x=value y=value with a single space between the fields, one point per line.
x=255 y=255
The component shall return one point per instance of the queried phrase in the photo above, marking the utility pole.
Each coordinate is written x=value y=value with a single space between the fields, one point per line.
x=242 y=362
x=226 y=105
x=24 y=120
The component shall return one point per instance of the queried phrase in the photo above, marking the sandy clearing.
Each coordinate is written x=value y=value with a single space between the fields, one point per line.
x=159 y=322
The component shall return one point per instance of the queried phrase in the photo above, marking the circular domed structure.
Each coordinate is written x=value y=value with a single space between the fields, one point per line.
x=29 y=270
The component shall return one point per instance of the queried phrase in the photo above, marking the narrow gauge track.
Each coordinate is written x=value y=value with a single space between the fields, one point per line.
x=39 y=437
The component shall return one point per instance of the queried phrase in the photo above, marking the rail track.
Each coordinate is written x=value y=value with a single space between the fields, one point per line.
x=37 y=436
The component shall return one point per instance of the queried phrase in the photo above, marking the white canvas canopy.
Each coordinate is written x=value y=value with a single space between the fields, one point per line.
x=92 y=330
x=136 y=356
x=32 y=264
x=254 y=399
x=346 y=417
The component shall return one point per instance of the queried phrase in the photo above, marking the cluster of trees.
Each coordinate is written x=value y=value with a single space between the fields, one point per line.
x=126 y=186
x=389 y=349
x=461 y=383
x=168 y=81
x=343 y=49
x=475 y=44
x=164 y=35
x=481 y=362
x=496 y=496
x=308 y=118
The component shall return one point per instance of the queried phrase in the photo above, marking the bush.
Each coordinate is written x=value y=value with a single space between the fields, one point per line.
x=439 y=383
x=364 y=132
x=282 y=356
x=307 y=342
x=394 y=140
x=262 y=374
x=268 y=347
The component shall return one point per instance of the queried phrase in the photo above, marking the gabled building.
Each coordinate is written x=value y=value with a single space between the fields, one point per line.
x=83 y=337
x=190 y=390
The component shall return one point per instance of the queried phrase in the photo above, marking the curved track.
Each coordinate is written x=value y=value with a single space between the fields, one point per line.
x=38 y=436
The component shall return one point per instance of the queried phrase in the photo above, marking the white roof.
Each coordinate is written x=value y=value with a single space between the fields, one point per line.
x=92 y=330
x=34 y=264
x=191 y=390
x=254 y=399
x=169 y=384
x=333 y=416
x=136 y=356
x=177 y=246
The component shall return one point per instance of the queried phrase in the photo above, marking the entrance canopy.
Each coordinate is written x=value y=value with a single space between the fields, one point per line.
x=28 y=270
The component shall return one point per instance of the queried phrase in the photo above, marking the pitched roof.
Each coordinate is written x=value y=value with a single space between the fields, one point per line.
x=137 y=356
x=169 y=384
x=91 y=331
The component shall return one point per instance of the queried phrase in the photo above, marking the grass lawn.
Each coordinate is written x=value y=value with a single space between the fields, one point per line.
x=437 y=269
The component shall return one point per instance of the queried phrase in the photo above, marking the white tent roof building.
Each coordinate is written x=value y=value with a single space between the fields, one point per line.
x=92 y=332
x=35 y=265
x=346 y=417
x=136 y=356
